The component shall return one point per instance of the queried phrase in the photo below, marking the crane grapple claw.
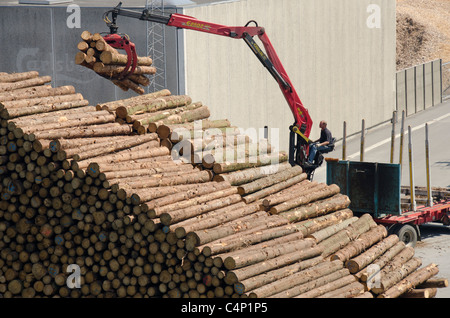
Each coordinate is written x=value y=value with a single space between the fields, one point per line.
x=124 y=43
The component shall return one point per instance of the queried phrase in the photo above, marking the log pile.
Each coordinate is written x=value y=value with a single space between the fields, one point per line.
x=79 y=187
x=96 y=54
x=188 y=131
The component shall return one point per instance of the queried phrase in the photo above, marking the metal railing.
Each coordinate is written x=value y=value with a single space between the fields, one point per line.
x=421 y=86
x=446 y=81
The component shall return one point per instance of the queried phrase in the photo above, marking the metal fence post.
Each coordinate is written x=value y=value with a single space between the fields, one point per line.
x=402 y=137
x=344 y=142
x=427 y=154
x=363 y=137
x=411 y=172
x=394 y=120
x=442 y=78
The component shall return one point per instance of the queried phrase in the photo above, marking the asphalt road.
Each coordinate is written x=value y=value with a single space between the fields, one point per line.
x=435 y=244
x=378 y=147
x=435 y=248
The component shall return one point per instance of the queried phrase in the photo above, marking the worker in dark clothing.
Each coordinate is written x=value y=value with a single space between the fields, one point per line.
x=323 y=145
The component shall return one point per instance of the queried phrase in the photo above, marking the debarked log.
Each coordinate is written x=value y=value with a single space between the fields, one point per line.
x=298 y=278
x=321 y=207
x=41 y=80
x=237 y=178
x=318 y=286
x=391 y=278
x=345 y=236
x=251 y=162
x=270 y=180
x=16 y=77
x=408 y=283
x=322 y=192
x=246 y=272
x=179 y=215
x=359 y=262
x=360 y=244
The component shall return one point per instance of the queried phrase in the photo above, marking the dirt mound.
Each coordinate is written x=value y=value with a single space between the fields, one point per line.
x=413 y=42
x=423 y=31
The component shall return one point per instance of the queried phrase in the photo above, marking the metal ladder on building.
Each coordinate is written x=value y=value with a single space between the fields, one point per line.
x=156 y=46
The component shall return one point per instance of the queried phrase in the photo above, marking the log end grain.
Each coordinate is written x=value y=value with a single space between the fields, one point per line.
x=121 y=112
x=163 y=131
x=352 y=266
x=229 y=263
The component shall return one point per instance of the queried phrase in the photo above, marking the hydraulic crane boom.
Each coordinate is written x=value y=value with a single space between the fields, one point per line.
x=303 y=122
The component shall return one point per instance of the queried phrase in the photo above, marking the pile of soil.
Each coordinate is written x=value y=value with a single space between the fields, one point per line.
x=423 y=31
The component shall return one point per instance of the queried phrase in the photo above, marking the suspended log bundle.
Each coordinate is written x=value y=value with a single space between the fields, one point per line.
x=79 y=186
x=97 y=55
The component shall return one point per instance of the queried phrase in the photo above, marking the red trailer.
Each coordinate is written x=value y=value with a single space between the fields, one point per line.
x=406 y=225
x=375 y=188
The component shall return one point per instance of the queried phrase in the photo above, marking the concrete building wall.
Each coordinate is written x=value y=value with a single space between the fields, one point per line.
x=340 y=55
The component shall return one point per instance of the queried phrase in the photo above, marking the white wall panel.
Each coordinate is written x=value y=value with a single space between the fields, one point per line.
x=342 y=69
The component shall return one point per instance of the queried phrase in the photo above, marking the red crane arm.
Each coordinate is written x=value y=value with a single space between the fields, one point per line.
x=299 y=111
x=299 y=141
x=271 y=61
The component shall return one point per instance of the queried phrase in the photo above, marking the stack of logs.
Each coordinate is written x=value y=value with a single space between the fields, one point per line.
x=97 y=55
x=79 y=187
x=421 y=196
x=187 y=130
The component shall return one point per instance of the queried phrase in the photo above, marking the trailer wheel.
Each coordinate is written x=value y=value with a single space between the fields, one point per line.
x=407 y=234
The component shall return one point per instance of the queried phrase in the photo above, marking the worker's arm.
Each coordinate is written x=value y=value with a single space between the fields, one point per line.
x=325 y=143
x=327 y=138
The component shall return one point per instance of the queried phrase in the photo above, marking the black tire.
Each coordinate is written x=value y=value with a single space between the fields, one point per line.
x=407 y=234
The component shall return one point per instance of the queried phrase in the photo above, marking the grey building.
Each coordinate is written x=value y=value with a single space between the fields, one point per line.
x=339 y=54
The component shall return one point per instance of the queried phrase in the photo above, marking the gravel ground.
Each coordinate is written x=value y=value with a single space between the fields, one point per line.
x=435 y=248
x=423 y=31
